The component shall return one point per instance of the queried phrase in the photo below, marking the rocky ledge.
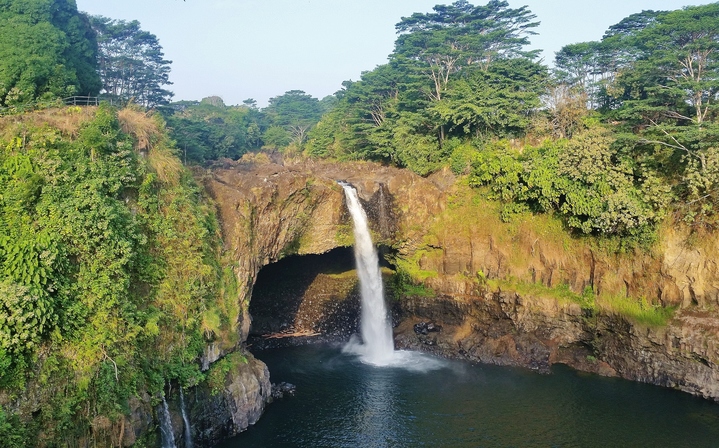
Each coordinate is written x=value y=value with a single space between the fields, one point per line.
x=506 y=329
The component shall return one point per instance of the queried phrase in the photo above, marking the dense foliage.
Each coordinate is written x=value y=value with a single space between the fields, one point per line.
x=457 y=73
x=655 y=77
x=622 y=131
x=110 y=266
x=47 y=50
x=210 y=130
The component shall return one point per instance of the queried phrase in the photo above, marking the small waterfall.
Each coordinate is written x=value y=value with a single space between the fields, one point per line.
x=188 y=429
x=377 y=346
x=168 y=438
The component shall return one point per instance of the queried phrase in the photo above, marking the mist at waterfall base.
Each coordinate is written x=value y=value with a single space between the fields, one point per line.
x=344 y=402
x=376 y=346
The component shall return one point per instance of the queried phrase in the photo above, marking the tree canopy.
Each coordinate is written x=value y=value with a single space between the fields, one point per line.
x=47 y=50
x=461 y=35
x=131 y=63
x=209 y=130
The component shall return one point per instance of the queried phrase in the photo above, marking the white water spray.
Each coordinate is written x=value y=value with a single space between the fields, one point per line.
x=186 y=420
x=168 y=438
x=377 y=346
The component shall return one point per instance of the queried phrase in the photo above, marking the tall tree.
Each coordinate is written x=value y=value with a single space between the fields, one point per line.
x=132 y=64
x=47 y=50
x=674 y=77
x=585 y=65
x=593 y=66
x=210 y=130
x=669 y=95
x=461 y=35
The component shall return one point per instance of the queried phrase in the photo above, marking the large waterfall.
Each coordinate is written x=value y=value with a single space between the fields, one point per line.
x=377 y=346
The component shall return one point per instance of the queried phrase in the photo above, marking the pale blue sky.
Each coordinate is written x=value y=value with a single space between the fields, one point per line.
x=240 y=49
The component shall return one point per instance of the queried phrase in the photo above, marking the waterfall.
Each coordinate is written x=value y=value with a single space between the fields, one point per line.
x=377 y=346
x=168 y=438
x=188 y=430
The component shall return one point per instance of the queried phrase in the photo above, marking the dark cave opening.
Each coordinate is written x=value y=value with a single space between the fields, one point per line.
x=309 y=297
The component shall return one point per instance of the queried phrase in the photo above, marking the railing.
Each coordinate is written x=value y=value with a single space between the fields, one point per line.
x=69 y=101
x=81 y=101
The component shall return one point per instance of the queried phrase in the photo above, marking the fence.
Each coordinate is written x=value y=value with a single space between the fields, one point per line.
x=69 y=101
x=81 y=101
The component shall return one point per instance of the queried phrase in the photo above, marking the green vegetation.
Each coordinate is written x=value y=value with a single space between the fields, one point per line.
x=621 y=134
x=638 y=311
x=131 y=63
x=458 y=73
x=47 y=51
x=209 y=130
x=112 y=274
x=561 y=293
x=404 y=284
x=585 y=180
x=217 y=374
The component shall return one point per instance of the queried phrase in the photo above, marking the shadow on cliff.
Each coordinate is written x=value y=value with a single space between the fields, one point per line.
x=307 y=295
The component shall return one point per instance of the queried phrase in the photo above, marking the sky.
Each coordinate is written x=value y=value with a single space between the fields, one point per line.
x=239 y=49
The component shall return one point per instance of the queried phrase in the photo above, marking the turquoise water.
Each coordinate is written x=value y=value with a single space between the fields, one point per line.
x=341 y=402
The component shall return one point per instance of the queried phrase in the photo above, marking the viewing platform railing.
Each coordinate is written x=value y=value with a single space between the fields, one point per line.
x=69 y=101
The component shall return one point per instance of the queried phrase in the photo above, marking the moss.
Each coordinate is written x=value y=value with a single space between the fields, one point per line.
x=344 y=236
x=217 y=375
x=561 y=293
x=403 y=284
x=639 y=311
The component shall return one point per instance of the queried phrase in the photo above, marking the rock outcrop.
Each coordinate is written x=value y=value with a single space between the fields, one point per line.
x=507 y=329
x=214 y=413
x=450 y=238
x=236 y=404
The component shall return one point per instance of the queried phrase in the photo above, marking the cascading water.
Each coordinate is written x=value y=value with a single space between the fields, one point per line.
x=377 y=346
x=186 y=420
x=166 y=434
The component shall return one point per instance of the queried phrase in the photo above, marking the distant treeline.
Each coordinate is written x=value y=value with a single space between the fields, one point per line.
x=619 y=133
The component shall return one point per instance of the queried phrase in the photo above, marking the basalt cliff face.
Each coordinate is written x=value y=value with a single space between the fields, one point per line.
x=449 y=238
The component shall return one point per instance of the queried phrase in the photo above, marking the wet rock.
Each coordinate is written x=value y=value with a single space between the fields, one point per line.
x=426 y=327
x=225 y=412
x=283 y=389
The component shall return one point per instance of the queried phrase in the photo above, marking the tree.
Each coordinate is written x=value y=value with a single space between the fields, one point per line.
x=46 y=51
x=461 y=35
x=294 y=111
x=586 y=65
x=209 y=130
x=593 y=66
x=132 y=64
x=497 y=101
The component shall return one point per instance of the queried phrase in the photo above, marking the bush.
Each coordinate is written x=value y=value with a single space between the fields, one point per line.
x=584 y=179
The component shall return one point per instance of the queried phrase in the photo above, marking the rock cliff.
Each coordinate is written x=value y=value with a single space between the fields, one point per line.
x=498 y=288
